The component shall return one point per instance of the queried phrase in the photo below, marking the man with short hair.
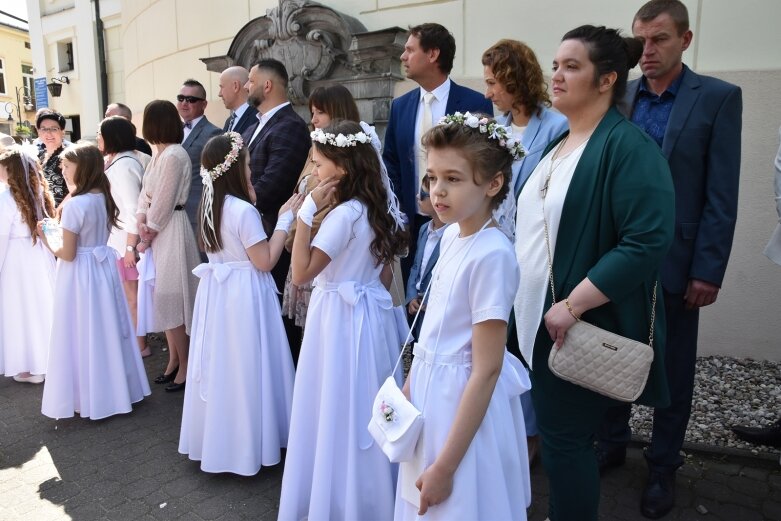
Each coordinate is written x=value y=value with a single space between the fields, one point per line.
x=191 y=103
x=278 y=144
x=234 y=97
x=122 y=110
x=696 y=120
x=427 y=59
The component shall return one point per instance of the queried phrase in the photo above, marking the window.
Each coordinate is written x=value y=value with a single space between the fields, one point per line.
x=28 y=84
x=2 y=76
x=65 y=56
x=26 y=45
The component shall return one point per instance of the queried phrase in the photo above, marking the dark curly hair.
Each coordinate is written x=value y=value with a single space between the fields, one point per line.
x=363 y=181
x=486 y=156
x=515 y=66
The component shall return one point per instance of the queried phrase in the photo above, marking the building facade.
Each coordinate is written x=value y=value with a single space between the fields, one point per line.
x=17 y=90
x=152 y=45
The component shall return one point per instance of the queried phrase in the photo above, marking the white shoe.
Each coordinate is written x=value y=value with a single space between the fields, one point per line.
x=32 y=379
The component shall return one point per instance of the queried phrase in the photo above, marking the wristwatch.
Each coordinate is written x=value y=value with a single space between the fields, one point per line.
x=130 y=248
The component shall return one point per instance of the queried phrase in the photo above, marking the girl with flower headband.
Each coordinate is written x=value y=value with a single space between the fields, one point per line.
x=240 y=377
x=94 y=367
x=333 y=469
x=26 y=266
x=471 y=460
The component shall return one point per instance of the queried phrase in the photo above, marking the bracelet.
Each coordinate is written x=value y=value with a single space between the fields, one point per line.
x=308 y=210
x=571 y=311
x=285 y=221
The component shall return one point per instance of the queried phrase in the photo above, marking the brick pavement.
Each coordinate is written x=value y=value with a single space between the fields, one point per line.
x=127 y=467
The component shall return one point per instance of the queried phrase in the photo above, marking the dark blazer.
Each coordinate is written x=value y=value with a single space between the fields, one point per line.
x=616 y=227
x=193 y=145
x=249 y=118
x=702 y=147
x=399 y=153
x=277 y=157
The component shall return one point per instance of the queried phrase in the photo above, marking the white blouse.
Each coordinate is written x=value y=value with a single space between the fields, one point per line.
x=530 y=245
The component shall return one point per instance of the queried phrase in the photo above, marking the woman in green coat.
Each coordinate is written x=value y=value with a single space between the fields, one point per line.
x=604 y=193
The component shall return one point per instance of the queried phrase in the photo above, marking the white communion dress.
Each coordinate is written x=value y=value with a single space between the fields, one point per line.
x=94 y=367
x=333 y=468
x=240 y=375
x=26 y=293
x=471 y=283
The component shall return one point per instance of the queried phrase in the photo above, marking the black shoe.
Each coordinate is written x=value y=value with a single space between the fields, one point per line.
x=659 y=495
x=175 y=387
x=165 y=378
x=770 y=435
x=608 y=459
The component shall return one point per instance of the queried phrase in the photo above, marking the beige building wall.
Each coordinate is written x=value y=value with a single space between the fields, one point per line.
x=159 y=44
x=14 y=53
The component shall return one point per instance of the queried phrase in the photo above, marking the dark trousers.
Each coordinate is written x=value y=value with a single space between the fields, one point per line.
x=406 y=262
x=670 y=423
x=567 y=430
x=293 y=332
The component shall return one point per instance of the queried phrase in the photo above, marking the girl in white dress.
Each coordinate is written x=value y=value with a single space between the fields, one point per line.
x=95 y=368
x=26 y=266
x=333 y=468
x=471 y=460
x=240 y=378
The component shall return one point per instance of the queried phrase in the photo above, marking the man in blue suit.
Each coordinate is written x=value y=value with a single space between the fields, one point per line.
x=234 y=97
x=427 y=59
x=696 y=120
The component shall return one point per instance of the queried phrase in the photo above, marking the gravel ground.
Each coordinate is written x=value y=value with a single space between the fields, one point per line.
x=727 y=391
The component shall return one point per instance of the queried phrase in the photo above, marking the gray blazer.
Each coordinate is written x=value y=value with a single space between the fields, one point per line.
x=196 y=140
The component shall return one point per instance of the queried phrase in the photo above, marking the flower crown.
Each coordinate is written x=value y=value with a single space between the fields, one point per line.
x=233 y=155
x=339 y=140
x=490 y=127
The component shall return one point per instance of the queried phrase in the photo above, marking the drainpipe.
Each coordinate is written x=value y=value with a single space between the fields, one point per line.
x=101 y=57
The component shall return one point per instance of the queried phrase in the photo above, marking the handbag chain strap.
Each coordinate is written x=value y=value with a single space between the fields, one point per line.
x=544 y=193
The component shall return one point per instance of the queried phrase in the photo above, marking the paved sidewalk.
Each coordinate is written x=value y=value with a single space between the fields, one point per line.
x=127 y=467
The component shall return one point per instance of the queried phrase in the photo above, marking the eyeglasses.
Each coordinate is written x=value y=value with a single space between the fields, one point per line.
x=49 y=130
x=189 y=99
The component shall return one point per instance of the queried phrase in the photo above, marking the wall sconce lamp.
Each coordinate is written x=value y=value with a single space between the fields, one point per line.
x=55 y=89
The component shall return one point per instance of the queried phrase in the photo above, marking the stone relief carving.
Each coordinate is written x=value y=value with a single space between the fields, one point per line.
x=319 y=46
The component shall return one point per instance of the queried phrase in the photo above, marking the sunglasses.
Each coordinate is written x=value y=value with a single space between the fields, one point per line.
x=189 y=99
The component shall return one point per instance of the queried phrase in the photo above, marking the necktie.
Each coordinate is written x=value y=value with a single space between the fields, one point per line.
x=188 y=124
x=231 y=121
x=425 y=125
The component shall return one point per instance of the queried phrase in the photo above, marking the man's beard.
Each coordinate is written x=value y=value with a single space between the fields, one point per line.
x=256 y=98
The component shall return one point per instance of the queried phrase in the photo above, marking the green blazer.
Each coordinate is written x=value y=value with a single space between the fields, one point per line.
x=616 y=227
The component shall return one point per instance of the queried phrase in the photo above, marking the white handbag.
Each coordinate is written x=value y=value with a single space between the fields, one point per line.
x=597 y=359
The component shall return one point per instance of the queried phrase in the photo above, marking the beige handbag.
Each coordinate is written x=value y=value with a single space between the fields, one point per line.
x=597 y=359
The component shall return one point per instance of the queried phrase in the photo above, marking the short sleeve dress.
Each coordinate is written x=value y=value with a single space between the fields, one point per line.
x=239 y=392
x=474 y=280
x=333 y=468
x=94 y=365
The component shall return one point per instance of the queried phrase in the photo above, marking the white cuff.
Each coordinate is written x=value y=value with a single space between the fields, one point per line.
x=285 y=221
x=308 y=210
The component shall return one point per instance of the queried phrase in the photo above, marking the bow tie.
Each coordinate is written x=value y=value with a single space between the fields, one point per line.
x=188 y=124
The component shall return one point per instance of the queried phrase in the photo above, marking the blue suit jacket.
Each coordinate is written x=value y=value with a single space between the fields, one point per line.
x=202 y=132
x=415 y=271
x=399 y=153
x=539 y=133
x=702 y=147
x=246 y=120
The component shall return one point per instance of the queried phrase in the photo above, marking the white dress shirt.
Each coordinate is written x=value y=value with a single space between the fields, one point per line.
x=192 y=126
x=238 y=113
x=438 y=110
